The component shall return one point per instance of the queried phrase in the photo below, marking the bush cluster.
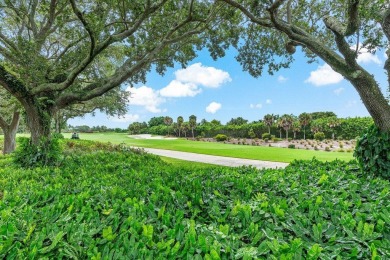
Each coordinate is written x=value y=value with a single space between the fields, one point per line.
x=319 y=136
x=47 y=152
x=221 y=137
x=127 y=205
x=373 y=152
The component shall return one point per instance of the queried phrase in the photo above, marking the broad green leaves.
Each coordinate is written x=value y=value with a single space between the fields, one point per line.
x=109 y=203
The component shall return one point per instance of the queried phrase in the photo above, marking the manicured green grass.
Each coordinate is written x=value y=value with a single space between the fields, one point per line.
x=187 y=164
x=238 y=151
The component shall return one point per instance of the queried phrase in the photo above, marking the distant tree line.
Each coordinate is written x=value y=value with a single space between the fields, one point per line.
x=281 y=126
x=93 y=129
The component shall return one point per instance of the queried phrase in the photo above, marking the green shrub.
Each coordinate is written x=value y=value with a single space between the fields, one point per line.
x=57 y=136
x=289 y=139
x=251 y=133
x=276 y=139
x=47 y=152
x=123 y=205
x=373 y=152
x=291 y=146
x=319 y=136
x=266 y=136
x=221 y=137
x=327 y=149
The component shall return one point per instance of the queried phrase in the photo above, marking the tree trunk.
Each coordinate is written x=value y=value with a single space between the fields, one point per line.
x=10 y=134
x=295 y=135
x=286 y=134
x=373 y=99
x=38 y=121
x=269 y=129
x=192 y=130
x=304 y=133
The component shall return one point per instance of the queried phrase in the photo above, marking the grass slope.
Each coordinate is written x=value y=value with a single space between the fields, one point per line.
x=238 y=151
x=105 y=203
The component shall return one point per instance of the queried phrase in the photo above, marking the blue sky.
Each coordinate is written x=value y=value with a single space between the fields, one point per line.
x=221 y=90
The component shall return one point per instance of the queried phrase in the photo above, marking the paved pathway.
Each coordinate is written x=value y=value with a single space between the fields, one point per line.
x=212 y=159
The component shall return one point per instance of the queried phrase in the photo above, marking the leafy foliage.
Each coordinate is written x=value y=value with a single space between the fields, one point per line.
x=120 y=203
x=319 y=136
x=373 y=152
x=48 y=152
x=221 y=137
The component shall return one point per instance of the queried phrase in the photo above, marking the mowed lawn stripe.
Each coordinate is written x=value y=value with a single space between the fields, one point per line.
x=212 y=148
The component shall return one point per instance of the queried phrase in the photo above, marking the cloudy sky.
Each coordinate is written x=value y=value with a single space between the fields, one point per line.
x=221 y=90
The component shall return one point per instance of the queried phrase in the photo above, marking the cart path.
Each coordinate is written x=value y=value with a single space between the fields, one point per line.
x=212 y=159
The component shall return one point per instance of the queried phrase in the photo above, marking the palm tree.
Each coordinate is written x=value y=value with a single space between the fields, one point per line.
x=269 y=121
x=332 y=123
x=279 y=124
x=286 y=123
x=168 y=121
x=296 y=127
x=304 y=120
x=180 y=121
x=192 y=122
x=316 y=126
x=185 y=126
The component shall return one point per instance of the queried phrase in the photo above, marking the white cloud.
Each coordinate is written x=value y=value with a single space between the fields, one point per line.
x=213 y=107
x=268 y=101
x=125 y=118
x=179 y=89
x=282 y=79
x=255 y=105
x=324 y=75
x=364 y=56
x=338 y=91
x=201 y=75
x=146 y=97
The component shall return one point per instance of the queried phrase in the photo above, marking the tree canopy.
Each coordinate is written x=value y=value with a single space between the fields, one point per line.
x=57 y=53
x=334 y=31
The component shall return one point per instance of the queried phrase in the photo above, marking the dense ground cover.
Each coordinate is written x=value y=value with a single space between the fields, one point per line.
x=212 y=148
x=111 y=202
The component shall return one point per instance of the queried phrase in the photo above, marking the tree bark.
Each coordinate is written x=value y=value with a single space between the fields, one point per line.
x=10 y=133
x=38 y=121
x=373 y=99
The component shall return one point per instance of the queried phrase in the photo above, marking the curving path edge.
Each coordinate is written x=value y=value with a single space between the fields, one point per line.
x=213 y=159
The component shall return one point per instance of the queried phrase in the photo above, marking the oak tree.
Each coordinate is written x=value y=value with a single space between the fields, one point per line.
x=334 y=31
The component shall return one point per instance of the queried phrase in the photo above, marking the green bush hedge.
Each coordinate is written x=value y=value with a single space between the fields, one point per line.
x=266 y=136
x=319 y=136
x=373 y=152
x=129 y=205
x=221 y=137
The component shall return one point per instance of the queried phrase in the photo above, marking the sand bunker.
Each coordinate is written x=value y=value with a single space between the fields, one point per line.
x=149 y=136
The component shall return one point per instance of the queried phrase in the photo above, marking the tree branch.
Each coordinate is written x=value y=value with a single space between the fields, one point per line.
x=79 y=15
x=386 y=29
x=31 y=16
x=99 y=48
x=13 y=85
x=49 y=23
x=130 y=67
x=353 y=21
x=15 y=120
x=254 y=19
x=8 y=42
